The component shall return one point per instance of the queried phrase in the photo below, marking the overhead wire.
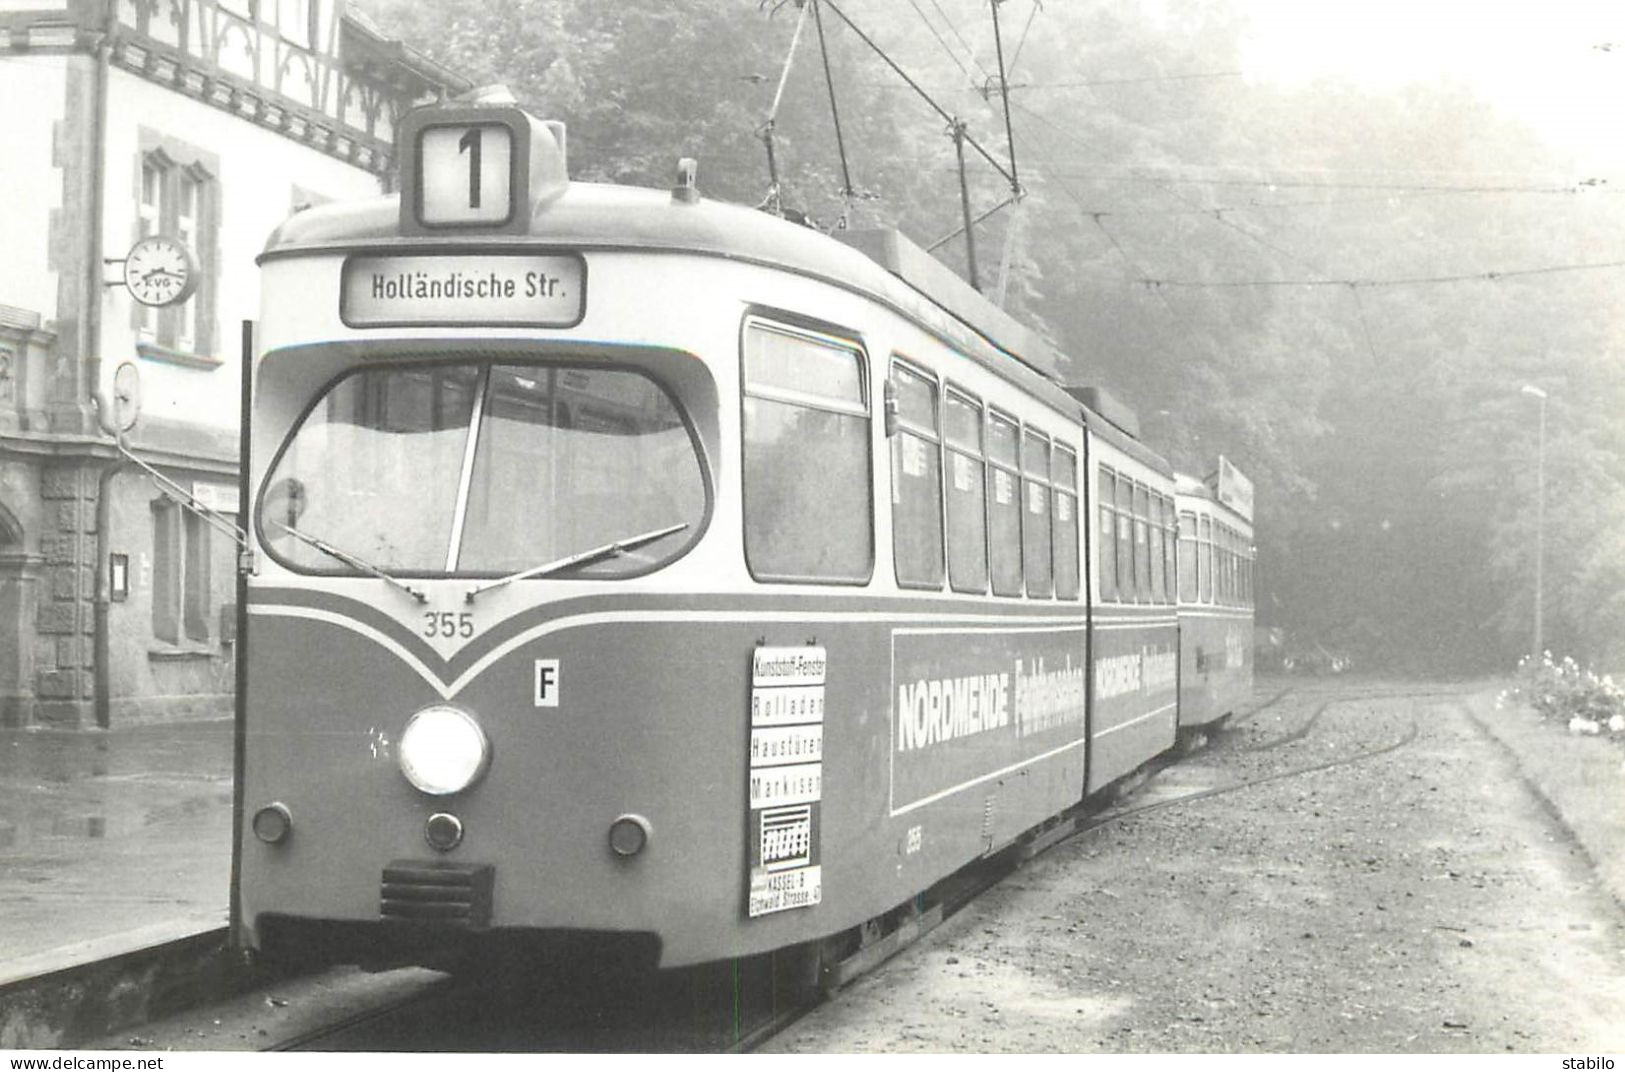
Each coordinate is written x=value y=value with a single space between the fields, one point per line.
x=847 y=192
x=946 y=116
x=945 y=47
x=959 y=36
x=1015 y=57
x=1093 y=83
x=1399 y=281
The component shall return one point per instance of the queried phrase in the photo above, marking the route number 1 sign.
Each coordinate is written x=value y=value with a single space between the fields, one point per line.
x=467 y=174
x=466 y=169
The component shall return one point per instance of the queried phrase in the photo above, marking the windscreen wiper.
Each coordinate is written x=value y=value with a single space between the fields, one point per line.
x=580 y=558
x=350 y=560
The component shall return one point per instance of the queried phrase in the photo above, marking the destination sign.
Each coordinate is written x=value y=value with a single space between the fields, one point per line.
x=484 y=289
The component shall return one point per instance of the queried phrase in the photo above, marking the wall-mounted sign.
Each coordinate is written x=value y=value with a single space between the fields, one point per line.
x=471 y=289
x=118 y=578
x=221 y=498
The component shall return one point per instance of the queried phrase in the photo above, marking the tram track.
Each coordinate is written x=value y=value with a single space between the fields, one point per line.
x=1248 y=783
x=1081 y=825
x=442 y=990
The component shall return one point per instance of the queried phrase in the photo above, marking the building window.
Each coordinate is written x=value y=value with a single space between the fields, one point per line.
x=806 y=457
x=181 y=603
x=916 y=464
x=178 y=195
x=149 y=214
x=967 y=496
x=296 y=21
x=188 y=202
x=1004 y=508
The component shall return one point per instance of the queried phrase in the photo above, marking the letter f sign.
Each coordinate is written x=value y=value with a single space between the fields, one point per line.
x=547 y=682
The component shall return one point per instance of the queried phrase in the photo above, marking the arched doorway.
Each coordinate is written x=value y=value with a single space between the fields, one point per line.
x=19 y=571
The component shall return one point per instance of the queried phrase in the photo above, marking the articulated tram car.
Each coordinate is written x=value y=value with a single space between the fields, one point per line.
x=633 y=565
x=1215 y=595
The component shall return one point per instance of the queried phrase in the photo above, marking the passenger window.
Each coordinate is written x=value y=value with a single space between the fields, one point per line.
x=916 y=470
x=1142 y=544
x=1107 y=538
x=1035 y=550
x=1205 y=547
x=1004 y=506
x=1234 y=541
x=967 y=495
x=1187 y=557
x=1159 y=568
x=1125 y=539
x=1169 y=546
x=1064 y=475
x=808 y=495
x=1247 y=574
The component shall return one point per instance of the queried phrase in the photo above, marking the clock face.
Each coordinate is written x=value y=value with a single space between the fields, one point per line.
x=159 y=271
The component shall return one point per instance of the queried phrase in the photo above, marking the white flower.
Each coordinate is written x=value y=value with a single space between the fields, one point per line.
x=1616 y=724
x=1585 y=726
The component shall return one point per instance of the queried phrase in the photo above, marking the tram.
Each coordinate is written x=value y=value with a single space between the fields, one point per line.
x=636 y=568
x=1215 y=594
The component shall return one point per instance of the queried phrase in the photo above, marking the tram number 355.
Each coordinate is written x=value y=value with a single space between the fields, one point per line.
x=445 y=623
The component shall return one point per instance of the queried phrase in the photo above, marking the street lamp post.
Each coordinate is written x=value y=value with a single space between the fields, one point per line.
x=1540 y=511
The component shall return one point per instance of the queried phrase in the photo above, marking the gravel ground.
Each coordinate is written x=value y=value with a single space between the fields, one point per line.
x=1421 y=900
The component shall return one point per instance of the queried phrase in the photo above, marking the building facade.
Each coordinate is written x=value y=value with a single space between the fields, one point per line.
x=206 y=122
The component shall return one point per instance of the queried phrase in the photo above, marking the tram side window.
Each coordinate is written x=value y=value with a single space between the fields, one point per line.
x=1159 y=565
x=1064 y=475
x=1227 y=571
x=1205 y=547
x=967 y=496
x=1125 y=540
x=1187 y=557
x=1247 y=574
x=1004 y=509
x=916 y=470
x=1036 y=549
x=806 y=455
x=1108 y=535
x=1143 y=543
x=1170 y=543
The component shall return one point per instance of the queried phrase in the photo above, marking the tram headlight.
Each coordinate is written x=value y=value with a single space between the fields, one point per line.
x=443 y=750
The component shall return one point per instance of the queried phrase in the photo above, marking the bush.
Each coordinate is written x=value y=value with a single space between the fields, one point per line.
x=1565 y=692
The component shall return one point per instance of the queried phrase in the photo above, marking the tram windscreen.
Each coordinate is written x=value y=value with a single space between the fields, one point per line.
x=565 y=459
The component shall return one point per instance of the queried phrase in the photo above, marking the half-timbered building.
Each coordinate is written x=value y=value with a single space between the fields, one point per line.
x=151 y=147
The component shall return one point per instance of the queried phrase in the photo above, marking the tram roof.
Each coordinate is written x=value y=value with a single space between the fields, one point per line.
x=883 y=264
x=1191 y=487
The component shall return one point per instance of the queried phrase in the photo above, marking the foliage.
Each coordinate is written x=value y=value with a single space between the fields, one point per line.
x=1564 y=692
x=1218 y=251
